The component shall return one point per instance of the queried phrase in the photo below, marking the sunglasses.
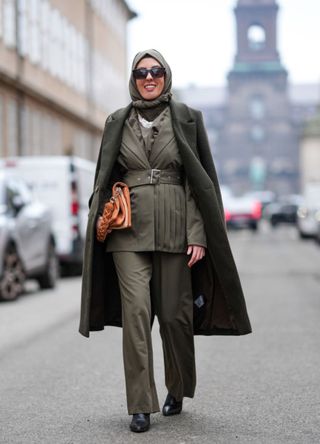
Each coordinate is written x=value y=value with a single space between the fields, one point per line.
x=142 y=73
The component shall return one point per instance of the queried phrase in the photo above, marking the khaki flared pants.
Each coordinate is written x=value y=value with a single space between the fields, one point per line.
x=160 y=283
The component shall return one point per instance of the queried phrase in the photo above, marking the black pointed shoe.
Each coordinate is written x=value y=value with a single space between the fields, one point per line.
x=171 y=406
x=140 y=422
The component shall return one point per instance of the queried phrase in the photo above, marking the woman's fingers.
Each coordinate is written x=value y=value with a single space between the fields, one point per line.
x=197 y=253
x=98 y=222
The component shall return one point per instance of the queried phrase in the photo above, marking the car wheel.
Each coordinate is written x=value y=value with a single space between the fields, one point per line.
x=13 y=276
x=51 y=273
x=303 y=235
x=254 y=226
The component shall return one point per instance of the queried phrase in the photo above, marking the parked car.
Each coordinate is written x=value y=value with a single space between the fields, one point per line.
x=27 y=244
x=308 y=213
x=265 y=197
x=241 y=212
x=284 y=211
x=65 y=183
x=307 y=221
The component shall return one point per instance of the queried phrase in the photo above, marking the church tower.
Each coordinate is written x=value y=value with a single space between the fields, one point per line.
x=258 y=147
x=256 y=33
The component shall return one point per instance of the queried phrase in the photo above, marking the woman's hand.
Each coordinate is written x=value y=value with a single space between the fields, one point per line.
x=197 y=253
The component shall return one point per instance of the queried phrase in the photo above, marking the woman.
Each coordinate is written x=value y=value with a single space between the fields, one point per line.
x=175 y=261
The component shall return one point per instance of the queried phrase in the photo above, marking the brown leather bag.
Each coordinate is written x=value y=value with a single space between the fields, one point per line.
x=116 y=212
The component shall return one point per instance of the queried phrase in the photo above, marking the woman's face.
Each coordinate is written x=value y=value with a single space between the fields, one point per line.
x=149 y=88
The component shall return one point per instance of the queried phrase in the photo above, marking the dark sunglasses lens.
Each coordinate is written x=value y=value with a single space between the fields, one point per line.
x=142 y=73
x=157 y=72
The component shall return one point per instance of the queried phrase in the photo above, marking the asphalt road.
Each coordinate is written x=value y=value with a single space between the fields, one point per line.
x=57 y=387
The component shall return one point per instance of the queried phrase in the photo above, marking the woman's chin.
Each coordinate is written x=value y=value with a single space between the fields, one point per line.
x=150 y=96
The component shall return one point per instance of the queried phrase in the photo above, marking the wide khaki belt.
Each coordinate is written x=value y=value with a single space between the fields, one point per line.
x=154 y=176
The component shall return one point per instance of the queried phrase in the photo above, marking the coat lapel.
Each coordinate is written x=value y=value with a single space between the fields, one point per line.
x=131 y=142
x=161 y=142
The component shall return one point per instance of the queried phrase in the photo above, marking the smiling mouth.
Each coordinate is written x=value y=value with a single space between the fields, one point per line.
x=150 y=87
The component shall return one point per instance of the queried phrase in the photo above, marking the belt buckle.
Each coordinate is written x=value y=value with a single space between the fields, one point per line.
x=154 y=175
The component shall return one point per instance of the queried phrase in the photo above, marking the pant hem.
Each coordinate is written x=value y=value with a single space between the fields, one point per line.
x=143 y=410
x=180 y=398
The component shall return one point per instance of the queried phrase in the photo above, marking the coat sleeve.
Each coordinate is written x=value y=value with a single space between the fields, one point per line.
x=97 y=166
x=206 y=158
x=194 y=224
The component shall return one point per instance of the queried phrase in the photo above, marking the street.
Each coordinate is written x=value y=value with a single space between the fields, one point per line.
x=57 y=387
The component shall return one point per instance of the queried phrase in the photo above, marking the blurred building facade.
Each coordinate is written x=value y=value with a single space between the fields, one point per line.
x=310 y=153
x=255 y=123
x=63 y=68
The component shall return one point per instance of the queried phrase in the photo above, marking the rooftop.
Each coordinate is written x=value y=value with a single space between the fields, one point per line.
x=300 y=95
x=202 y=97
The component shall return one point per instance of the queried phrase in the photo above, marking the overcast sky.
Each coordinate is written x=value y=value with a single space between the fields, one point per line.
x=197 y=37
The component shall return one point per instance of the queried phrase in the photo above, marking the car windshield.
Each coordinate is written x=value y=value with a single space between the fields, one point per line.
x=18 y=187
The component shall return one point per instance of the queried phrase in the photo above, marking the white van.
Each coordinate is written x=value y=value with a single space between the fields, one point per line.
x=65 y=184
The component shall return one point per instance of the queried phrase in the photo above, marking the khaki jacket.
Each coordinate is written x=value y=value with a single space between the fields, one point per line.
x=165 y=216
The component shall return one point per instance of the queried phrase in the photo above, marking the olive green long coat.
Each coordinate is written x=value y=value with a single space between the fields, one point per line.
x=219 y=302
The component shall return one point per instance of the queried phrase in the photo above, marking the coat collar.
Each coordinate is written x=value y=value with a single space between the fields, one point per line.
x=119 y=115
x=179 y=112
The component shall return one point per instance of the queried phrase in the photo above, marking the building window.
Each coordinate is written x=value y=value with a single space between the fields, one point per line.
x=45 y=34
x=257 y=171
x=46 y=141
x=12 y=127
x=23 y=26
x=54 y=42
x=257 y=107
x=73 y=58
x=257 y=133
x=1 y=127
x=1 y=18
x=36 y=132
x=34 y=31
x=24 y=130
x=9 y=23
x=256 y=37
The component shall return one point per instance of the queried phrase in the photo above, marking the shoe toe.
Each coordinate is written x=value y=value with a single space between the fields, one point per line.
x=140 y=423
x=171 y=406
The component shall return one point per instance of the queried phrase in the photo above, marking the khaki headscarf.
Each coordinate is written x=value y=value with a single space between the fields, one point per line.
x=150 y=109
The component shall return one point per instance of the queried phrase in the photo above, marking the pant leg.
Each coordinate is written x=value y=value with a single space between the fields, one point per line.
x=173 y=305
x=134 y=272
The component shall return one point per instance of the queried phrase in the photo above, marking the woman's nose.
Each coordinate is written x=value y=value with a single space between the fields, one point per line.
x=149 y=76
